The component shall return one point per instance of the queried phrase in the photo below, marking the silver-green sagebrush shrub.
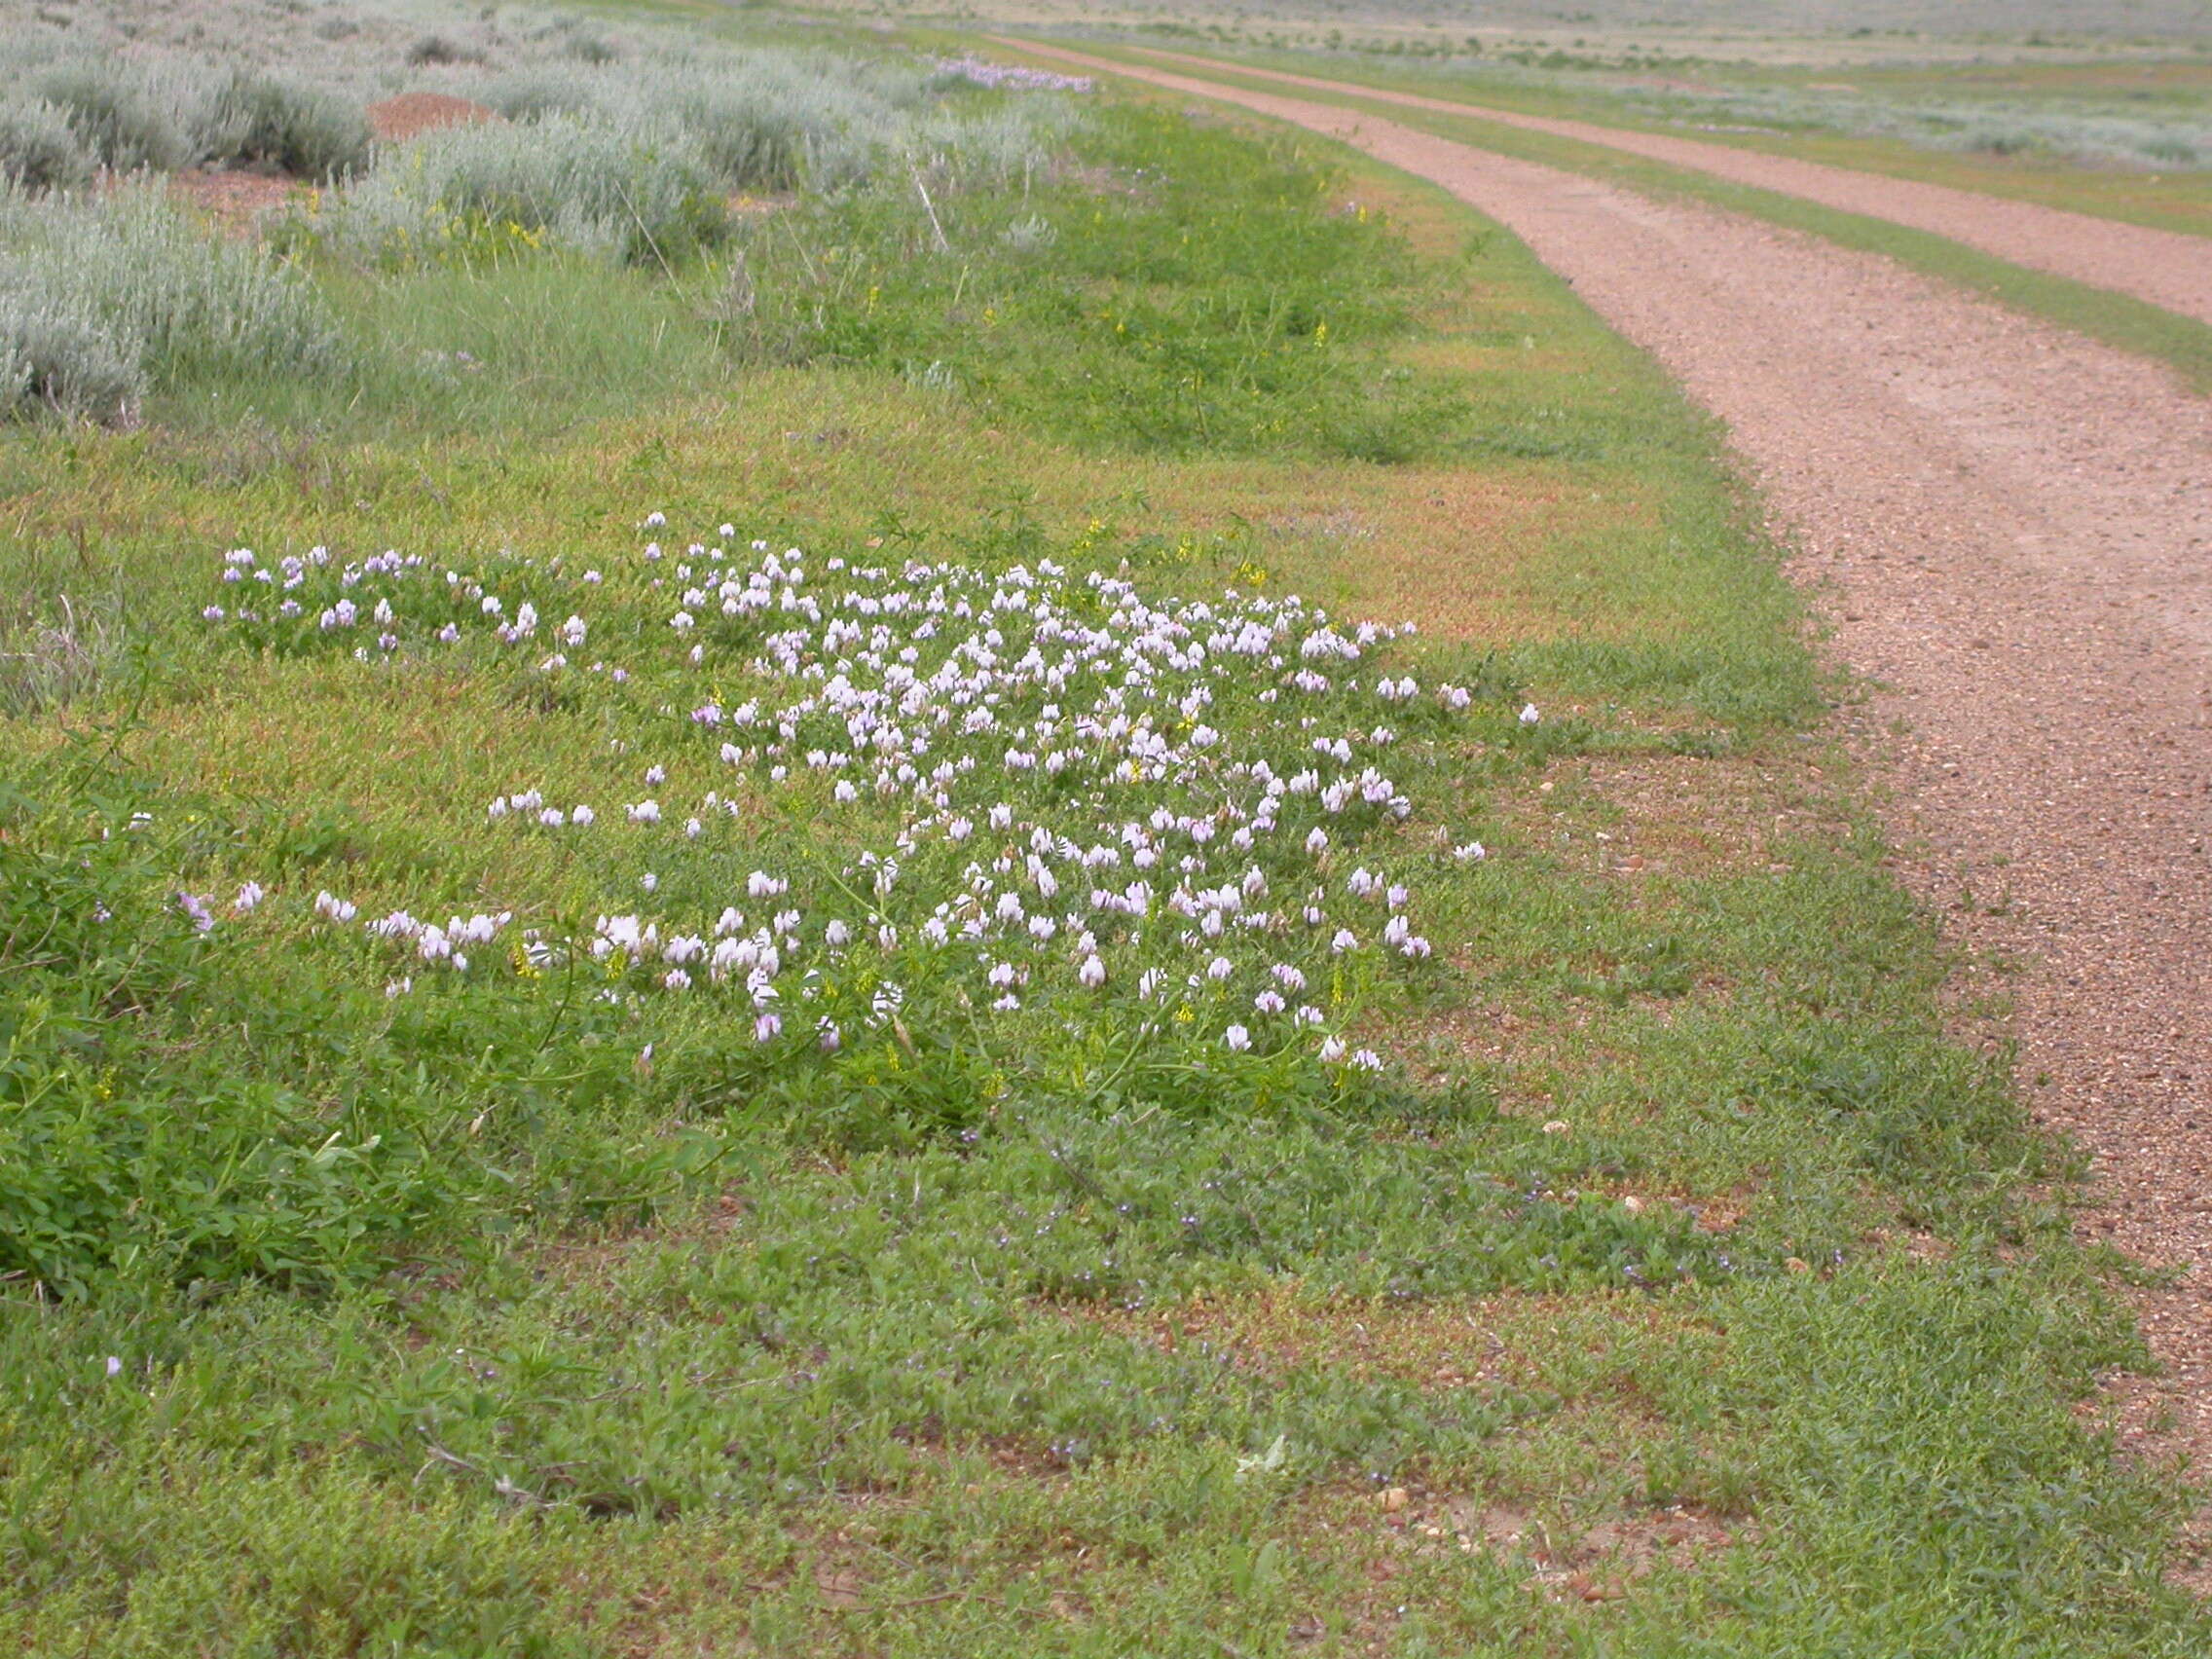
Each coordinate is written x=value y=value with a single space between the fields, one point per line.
x=772 y=123
x=298 y=129
x=754 y=126
x=55 y=352
x=760 y=138
x=775 y=120
x=997 y=147
x=434 y=50
x=174 y=112
x=495 y=190
x=39 y=150
x=100 y=302
x=162 y=115
x=1032 y=235
x=530 y=95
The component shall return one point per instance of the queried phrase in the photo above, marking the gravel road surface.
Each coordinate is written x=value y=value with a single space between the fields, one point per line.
x=2166 y=268
x=2010 y=529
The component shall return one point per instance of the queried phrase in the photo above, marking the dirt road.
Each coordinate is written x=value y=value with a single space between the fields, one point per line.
x=2163 y=267
x=2010 y=531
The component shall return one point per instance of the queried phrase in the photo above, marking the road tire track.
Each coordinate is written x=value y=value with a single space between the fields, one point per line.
x=2165 y=268
x=2009 y=530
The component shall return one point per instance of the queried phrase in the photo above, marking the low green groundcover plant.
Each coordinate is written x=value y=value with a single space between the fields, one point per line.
x=783 y=1087
x=953 y=952
x=1073 y=846
x=1225 y=300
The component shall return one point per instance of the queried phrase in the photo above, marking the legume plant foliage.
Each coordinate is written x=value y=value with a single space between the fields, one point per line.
x=1014 y=846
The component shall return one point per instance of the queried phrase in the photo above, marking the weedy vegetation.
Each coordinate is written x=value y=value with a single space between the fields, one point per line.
x=782 y=947
x=640 y=158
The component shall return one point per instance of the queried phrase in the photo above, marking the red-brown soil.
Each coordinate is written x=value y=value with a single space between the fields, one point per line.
x=411 y=113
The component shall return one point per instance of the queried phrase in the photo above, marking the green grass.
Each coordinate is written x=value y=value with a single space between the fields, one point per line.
x=2117 y=320
x=1205 y=307
x=1684 y=1269
x=1034 y=310
x=552 y=343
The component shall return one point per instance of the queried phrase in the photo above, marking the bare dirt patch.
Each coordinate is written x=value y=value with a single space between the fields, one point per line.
x=394 y=119
x=1663 y=814
x=234 y=201
x=1401 y=1528
x=1273 y=1330
x=1432 y=554
x=1572 y=1347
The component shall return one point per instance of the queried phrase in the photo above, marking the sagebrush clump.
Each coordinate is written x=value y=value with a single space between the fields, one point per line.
x=626 y=152
x=162 y=115
x=500 y=190
x=298 y=129
x=98 y=300
x=39 y=150
x=172 y=114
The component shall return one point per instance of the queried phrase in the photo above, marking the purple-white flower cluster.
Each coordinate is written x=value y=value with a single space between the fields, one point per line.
x=1012 y=77
x=1037 y=791
x=379 y=607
